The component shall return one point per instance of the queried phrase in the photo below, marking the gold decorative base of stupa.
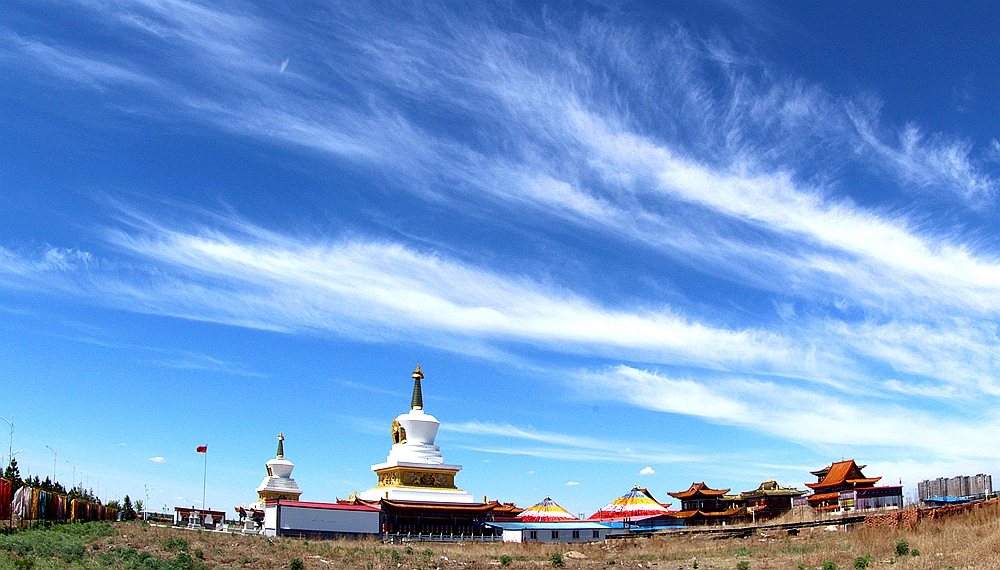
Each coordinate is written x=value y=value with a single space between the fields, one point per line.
x=416 y=478
x=265 y=495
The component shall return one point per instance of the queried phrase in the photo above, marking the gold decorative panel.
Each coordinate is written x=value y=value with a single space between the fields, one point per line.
x=409 y=477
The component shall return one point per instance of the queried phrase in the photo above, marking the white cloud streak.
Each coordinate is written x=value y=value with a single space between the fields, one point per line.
x=810 y=417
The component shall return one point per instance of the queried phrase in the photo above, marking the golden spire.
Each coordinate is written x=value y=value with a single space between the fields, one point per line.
x=281 y=445
x=417 y=401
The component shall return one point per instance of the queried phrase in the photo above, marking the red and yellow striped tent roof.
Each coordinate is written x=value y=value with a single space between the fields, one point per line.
x=635 y=503
x=546 y=511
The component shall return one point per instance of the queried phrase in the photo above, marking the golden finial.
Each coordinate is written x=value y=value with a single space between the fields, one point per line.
x=281 y=445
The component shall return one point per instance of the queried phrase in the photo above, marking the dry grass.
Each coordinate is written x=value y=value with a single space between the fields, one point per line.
x=970 y=540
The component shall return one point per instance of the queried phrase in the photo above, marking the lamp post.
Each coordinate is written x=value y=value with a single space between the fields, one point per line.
x=10 y=443
x=72 y=483
x=55 y=457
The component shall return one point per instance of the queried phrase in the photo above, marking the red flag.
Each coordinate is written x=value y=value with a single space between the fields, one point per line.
x=202 y=449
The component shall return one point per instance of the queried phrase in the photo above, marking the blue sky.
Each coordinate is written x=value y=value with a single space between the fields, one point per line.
x=724 y=241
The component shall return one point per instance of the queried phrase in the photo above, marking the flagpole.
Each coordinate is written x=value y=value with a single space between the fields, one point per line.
x=204 y=481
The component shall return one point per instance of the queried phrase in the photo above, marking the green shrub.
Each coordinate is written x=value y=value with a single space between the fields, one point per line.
x=505 y=560
x=800 y=566
x=902 y=548
x=295 y=564
x=198 y=553
x=829 y=565
x=395 y=555
x=175 y=543
x=427 y=553
x=24 y=563
x=743 y=565
x=557 y=560
x=915 y=552
x=862 y=562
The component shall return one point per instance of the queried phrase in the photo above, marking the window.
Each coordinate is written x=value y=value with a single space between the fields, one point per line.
x=555 y=534
x=533 y=534
x=597 y=534
x=576 y=534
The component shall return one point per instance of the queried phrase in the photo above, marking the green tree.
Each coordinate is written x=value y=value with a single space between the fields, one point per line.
x=139 y=506
x=127 y=511
x=13 y=473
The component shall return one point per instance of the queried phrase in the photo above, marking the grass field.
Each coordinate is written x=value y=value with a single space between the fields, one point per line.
x=970 y=540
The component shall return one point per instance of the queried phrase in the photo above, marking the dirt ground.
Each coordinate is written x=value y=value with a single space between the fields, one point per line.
x=969 y=541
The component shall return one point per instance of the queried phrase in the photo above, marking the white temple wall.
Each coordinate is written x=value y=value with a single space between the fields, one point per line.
x=312 y=519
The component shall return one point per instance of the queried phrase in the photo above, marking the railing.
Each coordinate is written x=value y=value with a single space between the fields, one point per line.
x=439 y=537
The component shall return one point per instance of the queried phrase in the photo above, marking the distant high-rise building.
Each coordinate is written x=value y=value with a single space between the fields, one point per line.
x=960 y=486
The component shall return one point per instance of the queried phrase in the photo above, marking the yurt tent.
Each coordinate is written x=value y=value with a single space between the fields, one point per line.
x=636 y=503
x=545 y=511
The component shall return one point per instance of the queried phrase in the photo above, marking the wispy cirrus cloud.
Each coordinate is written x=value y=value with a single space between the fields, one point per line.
x=925 y=162
x=806 y=415
x=259 y=279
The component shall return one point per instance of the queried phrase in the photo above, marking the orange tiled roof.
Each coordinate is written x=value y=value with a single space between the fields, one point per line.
x=838 y=474
x=865 y=481
x=823 y=497
x=694 y=513
x=699 y=489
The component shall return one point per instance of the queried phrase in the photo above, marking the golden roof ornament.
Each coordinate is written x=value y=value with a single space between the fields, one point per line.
x=281 y=445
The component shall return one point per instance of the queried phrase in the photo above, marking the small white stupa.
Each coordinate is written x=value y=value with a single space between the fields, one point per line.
x=279 y=483
x=415 y=469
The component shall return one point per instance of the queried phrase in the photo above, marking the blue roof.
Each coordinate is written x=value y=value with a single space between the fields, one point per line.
x=948 y=500
x=568 y=525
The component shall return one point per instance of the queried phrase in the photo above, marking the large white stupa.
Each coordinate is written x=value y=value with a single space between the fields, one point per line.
x=415 y=469
x=279 y=483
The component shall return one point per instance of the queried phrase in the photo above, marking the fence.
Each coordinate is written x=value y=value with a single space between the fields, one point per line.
x=440 y=537
x=908 y=518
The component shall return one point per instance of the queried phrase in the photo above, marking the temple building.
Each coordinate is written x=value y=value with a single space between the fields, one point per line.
x=701 y=504
x=279 y=483
x=841 y=486
x=416 y=490
x=767 y=501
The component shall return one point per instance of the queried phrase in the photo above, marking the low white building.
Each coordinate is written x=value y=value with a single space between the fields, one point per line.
x=319 y=520
x=570 y=531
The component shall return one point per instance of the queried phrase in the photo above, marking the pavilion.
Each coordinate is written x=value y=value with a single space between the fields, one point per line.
x=767 y=501
x=700 y=504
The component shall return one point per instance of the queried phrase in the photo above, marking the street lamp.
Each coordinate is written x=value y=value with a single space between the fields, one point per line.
x=55 y=456
x=73 y=482
x=10 y=444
